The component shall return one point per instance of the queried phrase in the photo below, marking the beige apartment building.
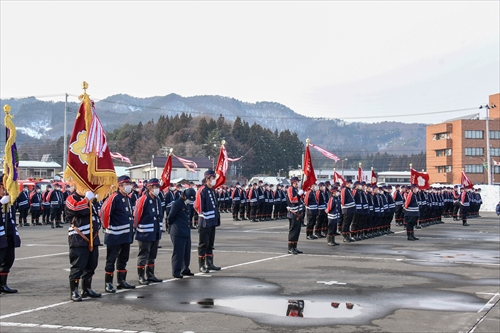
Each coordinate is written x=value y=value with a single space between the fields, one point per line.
x=460 y=144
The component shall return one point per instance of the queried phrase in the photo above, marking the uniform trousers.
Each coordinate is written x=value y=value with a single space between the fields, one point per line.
x=332 y=227
x=55 y=214
x=83 y=262
x=23 y=213
x=236 y=209
x=207 y=239
x=118 y=254
x=147 y=253
x=411 y=221
x=181 y=255
x=46 y=212
x=35 y=214
x=346 y=223
x=321 y=222
x=311 y=222
x=7 y=256
x=294 y=228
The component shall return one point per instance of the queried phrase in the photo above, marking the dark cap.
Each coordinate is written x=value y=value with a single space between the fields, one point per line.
x=209 y=173
x=153 y=182
x=190 y=194
x=321 y=184
x=124 y=179
x=334 y=188
x=294 y=179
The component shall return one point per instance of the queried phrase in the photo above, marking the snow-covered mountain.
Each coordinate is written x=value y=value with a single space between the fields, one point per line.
x=45 y=120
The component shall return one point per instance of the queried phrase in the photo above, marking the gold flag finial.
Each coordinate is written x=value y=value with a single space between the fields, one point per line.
x=360 y=164
x=171 y=150
x=308 y=141
x=6 y=108
x=85 y=86
x=223 y=142
x=411 y=165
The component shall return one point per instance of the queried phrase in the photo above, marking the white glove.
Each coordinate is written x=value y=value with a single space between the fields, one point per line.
x=89 y=195
x=301 y=192
x=5 y=200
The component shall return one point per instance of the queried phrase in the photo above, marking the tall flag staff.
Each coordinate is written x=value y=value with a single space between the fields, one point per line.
x=11 y=158
x=90 y=166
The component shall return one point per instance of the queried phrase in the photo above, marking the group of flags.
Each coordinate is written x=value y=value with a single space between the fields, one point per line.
x=421 y=179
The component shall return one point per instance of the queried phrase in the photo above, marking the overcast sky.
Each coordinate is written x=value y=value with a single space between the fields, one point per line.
x=338 y=59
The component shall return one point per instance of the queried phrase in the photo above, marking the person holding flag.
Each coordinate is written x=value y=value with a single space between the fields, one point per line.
x=411 y=212
x=295 y=210
x=90 y=169
x=83 y=258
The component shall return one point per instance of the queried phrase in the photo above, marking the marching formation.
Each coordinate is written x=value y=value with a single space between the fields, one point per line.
x=354 y=210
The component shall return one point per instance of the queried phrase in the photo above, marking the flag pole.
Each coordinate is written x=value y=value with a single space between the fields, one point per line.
x=308 y=140
x=411 y=166
x=85 y=86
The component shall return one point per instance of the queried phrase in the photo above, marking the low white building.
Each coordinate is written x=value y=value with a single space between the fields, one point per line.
x=154 y=169
x=38 y=169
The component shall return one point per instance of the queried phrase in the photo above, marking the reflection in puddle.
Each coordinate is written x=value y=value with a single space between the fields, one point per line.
x=282 y=307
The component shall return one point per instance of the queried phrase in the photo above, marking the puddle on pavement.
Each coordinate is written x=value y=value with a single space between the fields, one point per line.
x=265 y=303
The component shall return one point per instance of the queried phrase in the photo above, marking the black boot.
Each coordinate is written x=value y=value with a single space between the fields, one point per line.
x=201 y=263
x=329 y=241
x=291 y=248
x=150 y=274
x=87 y=289
x=108 y=283
x=209 y=263
x=142 y=279
x=295 y=248
x=73 y=286
x=408 y=236
x=122 y=283
x=4 y=288
x=413 y=236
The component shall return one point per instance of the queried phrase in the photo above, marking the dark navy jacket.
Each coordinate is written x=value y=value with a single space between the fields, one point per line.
x=178 y=220
x=8 y=231
x=78 y=212
x=148 y=218
x=117 y=219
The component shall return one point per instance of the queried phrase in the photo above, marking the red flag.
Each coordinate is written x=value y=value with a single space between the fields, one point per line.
x=465 y=181
x=338 y=178
x=374 y=180
x=167 y=172
x=90 y=166
x=360 y=173
x=308 y=171
x=221 y=168
x=421 y=179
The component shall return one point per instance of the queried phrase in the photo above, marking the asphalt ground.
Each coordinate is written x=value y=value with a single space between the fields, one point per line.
x=448 y=281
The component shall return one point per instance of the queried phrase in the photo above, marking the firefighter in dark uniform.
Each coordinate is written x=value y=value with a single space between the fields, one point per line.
x=398 y=201
x=464 y=205
x=9 y=239
x=23 y=206
x=36 y=205
x=253 y=199
x=243 y=202
x=208 y=220
x=320 y=230
x=56 y=206
x=411 y=213
x=83 y=261
x=261 y=200
x=46 y=205
x=348 y=210
x=295 y=209
x=311 y=206
x=333 y=213
x=66 y=194
x=180 y=234
x=236 y=198
x=148 y=224
x=118 y=223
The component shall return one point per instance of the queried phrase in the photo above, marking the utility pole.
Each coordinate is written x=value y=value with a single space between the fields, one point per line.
x=65 y=149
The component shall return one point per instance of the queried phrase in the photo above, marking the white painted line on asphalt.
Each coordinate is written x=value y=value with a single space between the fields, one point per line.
x=256 y=261
x=70 y=328
x=33 y=310
x=276 y=227
x=51 y=245
x=43 y=255
x=489 y=303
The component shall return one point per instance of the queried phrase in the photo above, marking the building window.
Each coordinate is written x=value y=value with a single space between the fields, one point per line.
x=443 y=152
x=442 y=136
x=494 y=134
x=496 y=169
x=474 y=168
x=474 y=134
x=495 y=151
x=444 y=169
x=474 y=151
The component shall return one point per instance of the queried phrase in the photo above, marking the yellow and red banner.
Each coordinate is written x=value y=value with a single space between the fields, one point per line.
x=90 y=167
x=11 y=161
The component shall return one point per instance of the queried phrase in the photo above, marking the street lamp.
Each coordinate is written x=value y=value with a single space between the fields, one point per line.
x=488 y=162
